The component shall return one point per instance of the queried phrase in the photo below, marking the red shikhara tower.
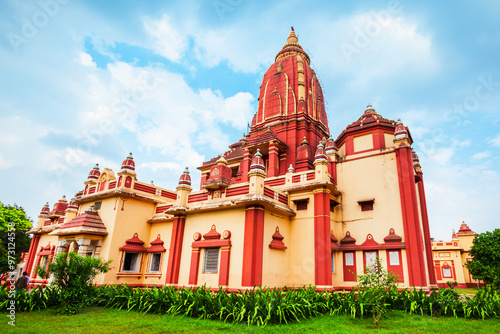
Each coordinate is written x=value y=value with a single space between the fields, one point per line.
x=293 y=206
x=290 y=120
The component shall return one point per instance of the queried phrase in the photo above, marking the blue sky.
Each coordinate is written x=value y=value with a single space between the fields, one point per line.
x=176 y=82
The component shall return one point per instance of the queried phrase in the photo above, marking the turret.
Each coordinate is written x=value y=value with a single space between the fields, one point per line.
x=184 y=188
x=257 y=174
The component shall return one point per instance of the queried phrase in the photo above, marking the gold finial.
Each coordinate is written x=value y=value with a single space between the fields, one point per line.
x=292 y=39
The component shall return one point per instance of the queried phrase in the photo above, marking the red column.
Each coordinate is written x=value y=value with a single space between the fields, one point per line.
x=273 y=160
x=245 y=165
x=425 y=224
x=322 y=241
x=32 y=253
x=253 y=246
x=195 y=264
x=174 y=258
x=411 y=222
x=34 y=273
x=224 y=265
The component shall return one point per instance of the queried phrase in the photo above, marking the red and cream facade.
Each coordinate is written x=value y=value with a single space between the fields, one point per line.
x=450 y=258
x=286 y=205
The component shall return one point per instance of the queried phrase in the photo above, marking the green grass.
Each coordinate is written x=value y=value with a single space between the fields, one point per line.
x=105 y=320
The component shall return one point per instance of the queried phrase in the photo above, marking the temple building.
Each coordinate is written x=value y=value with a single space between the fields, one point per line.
x=450 y=258
x=286 y=205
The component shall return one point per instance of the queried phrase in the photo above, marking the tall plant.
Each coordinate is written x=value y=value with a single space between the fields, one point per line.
x=375 y=288
x=74 y=274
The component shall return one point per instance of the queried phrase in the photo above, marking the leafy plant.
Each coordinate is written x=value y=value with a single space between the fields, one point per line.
x=375 y=288
x=74 y=275
x=485 y=264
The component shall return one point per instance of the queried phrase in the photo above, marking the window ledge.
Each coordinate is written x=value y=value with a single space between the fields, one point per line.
x=138 y=275
x=157 y=275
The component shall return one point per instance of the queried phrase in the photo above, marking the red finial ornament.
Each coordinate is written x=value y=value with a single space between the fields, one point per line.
x=292 y=29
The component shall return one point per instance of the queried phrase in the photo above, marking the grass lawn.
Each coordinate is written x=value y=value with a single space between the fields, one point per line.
x=102 y=320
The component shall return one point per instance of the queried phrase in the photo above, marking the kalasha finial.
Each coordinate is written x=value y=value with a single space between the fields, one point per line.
x=292 y=29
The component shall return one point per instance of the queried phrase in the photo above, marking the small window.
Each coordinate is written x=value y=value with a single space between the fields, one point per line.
x=370 y=259
x=446 y=272
x=303 y=177
x=301 y=205
x=333 y=262
x=155 y=263
x=349 y=259
x=97 y=205
x=394 y=258
x=130 y=262
x=366 y=204
x=333 y=204
x=211 y=264
x=90 y=253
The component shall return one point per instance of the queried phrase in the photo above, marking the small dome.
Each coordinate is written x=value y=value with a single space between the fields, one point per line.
x=257 y=161
x=185 y=178
x=416 y=161
x=94 y=173
x=72 y=205
x=45 y=210
x=128 y=163
x=400 y=131
x=320 y=152
x=304 y=150
x=330 y=146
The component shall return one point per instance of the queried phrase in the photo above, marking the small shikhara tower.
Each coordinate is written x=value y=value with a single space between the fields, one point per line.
x=293 y=205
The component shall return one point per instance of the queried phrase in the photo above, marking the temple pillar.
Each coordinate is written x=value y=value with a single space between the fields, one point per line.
x=322 y=239
x=253 y=246
x=174 y=257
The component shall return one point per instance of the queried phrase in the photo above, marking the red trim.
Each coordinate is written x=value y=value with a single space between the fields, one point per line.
x=425 y=224
x=195 y=264
x=174 y=258
x=32 y=253
x=322 y=239
x=438 y=270
x=224 y=265
x=275 y=182
x=145 y=188
x=273 y=160
x=378 y=140
x=253 y=246
x=349 y=271
x=411 y=222
x=237 y=191
x=349 y=146
x=396 y=269
x=198 y=197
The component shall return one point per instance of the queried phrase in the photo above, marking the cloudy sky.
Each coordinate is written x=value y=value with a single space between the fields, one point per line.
x=175 y=82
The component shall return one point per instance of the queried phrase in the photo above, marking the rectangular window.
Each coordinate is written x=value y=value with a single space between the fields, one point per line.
x=446 y=272
x=131 y=262
x=370 y=258
x=155 y=263
x=211 y=264
x=349 y=259
x=394 y=258
x=97 y=205
x=333 y=262
x=301 y=205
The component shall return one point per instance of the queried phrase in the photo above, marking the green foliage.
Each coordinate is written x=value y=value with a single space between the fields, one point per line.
x=485 y=264
x=73 y=275
x=375 y=289
x=13 y=238
x=261 y=306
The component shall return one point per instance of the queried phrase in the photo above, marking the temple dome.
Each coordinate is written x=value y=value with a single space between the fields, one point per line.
x=290 y=90
x=128 y=163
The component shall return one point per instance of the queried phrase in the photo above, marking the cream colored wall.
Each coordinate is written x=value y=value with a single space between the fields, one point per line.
x=165 y=232
x=371 y=177
x=364 y=142
x=389 y=140
x=232 y=220
x=301 y=263
x=133 y=219
x=275 y=261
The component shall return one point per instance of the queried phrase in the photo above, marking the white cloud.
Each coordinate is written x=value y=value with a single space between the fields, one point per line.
x=495 y=141
x=481 y=155
x=156 y=166
x=85 y=59
x=167 y=41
